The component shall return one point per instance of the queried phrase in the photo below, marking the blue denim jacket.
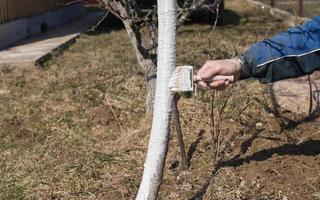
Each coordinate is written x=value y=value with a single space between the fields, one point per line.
x=289 y=54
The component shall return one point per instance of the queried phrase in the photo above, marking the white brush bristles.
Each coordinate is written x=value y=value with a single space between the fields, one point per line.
x=182 y=79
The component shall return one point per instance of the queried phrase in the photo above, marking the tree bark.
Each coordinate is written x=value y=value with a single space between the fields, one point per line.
x=151 y=89
x=159 y=137
x=145 y=61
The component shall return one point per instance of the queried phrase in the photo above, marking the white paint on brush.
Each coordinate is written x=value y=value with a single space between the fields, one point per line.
x=159 y=138
x=182 y=79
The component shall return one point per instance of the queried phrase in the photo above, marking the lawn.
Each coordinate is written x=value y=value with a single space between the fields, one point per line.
x=76 y=128
x=310 y=7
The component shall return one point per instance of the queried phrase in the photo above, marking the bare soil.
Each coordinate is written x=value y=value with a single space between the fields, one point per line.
x=76 y=128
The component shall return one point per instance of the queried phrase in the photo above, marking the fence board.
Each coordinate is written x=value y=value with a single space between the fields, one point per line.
x=15 y=9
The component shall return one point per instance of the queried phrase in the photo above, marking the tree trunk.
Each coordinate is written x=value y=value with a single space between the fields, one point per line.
x=159 y=137
x=146 y=63
x=151 y=88
x=151 y=80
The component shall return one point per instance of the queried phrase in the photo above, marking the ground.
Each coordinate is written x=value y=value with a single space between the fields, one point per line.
x=311 y=7
x=76 y=128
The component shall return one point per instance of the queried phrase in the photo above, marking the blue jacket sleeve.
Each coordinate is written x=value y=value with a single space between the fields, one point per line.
x=290 y=54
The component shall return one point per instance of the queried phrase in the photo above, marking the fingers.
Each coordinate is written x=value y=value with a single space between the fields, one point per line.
x=214 y=68
x=210 y=69
x=219 y=85
x=203 y=68
x=205 y=74
x=203 y=84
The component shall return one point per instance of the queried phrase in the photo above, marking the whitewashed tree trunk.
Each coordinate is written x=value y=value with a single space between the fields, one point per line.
x=159 y=137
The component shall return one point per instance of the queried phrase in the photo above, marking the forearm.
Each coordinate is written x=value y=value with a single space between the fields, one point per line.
x=290 y=54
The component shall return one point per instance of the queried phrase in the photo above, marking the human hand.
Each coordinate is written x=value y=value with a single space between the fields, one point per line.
x=228 y=67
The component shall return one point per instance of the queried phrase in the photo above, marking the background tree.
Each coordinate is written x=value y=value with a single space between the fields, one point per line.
x=140 y=20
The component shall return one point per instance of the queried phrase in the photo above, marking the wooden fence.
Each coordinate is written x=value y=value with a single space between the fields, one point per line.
x=15 y=9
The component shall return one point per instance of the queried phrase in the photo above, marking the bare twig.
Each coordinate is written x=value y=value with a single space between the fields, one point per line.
x=212 y=31
x=93 y=28
x=310 y=95
x=221 y=98
x=114 y=114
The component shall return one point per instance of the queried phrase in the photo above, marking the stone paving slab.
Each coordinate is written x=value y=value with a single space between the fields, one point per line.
x=37 y=49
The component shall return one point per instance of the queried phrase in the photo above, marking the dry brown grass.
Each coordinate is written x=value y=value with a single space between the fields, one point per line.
x=311 y=7
x=60 y=136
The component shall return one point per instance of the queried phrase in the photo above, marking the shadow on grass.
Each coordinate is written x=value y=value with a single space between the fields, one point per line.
x=194 y=145
x=228 y=17
x=290 y=124
x=192 y=148
x=307 y=148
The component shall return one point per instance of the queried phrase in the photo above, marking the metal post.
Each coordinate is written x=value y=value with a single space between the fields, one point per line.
x=272 y=3
x=301 y=8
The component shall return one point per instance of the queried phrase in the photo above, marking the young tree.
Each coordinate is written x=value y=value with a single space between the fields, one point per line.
x=158 y=144
x=140 y=20
x=158 y=51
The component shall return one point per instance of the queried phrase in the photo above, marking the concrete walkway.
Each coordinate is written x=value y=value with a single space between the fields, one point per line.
x=37 y=49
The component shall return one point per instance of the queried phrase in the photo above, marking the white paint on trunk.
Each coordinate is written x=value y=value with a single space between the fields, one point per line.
x=159 y=137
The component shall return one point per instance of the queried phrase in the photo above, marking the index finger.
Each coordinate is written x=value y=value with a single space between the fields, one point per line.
x=203 y=68
x=211 y=69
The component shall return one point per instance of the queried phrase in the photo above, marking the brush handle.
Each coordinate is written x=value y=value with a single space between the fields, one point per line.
x=216 y=78
x=226 y=78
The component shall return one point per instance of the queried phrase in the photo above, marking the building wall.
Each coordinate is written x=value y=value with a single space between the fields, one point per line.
x=15 y=9
x=14 y=31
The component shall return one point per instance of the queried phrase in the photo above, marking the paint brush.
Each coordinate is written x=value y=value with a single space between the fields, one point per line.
x=183 y=80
